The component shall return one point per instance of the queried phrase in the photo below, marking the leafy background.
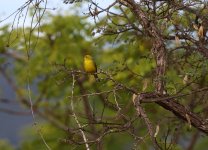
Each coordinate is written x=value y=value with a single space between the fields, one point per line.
x=57 y=47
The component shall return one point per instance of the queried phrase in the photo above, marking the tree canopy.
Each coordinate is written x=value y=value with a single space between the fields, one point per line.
x=152 y=64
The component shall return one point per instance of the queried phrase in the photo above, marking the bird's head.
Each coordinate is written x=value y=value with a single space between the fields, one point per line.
x=87 y=57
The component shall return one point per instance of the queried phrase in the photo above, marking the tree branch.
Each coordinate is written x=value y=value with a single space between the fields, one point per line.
x=179 y=110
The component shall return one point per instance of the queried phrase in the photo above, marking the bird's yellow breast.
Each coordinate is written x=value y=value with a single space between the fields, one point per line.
x=89 y=66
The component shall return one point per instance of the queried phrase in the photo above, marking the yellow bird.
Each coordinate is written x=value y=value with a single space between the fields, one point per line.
x=90 y=66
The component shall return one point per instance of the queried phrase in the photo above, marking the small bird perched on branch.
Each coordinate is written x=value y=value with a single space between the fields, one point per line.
x=90 y=66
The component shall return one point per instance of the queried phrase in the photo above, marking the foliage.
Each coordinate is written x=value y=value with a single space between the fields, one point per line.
x=5 y=145
x=158 y=57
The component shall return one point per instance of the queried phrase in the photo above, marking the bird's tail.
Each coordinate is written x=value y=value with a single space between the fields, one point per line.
x=96 y=77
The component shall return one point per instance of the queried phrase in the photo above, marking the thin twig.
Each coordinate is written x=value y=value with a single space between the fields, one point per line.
x=74 y=115
x=32 y=112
